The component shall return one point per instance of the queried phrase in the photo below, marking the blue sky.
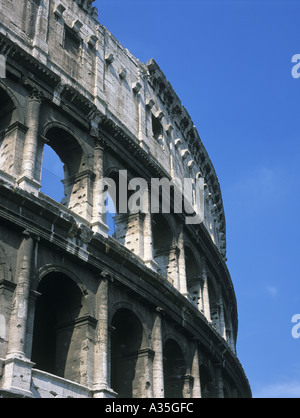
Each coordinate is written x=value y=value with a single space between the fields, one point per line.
x=230 y=64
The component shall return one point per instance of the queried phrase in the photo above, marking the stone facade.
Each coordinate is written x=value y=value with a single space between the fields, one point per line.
x=147 y=312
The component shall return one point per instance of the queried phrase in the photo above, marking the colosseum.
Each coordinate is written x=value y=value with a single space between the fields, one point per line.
x=136 y=305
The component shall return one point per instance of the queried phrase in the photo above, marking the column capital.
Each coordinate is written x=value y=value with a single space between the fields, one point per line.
x=105 y=276
x=34 y=92
x=35 y=95
x=30 y=234
x=99 y=144
x=100 y=141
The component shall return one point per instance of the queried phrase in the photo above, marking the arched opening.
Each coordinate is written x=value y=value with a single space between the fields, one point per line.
x=55 y=348
x=192 y=276
x=8 y=113
x=8 y=116
x=64 y=159
x=206 y=381
x=117 y=223
x=124 y=226
x=111 y=212
x=174 y=370
x=52 y=175
x=127 y=362
x=162 y=243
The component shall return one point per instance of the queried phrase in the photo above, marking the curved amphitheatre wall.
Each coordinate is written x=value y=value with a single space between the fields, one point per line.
x=158 y=286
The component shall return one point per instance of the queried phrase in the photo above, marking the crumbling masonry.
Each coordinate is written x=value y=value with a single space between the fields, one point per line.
x=147 y=312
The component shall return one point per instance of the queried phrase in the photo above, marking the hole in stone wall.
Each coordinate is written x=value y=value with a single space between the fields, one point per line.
x=156 y=128
x=72 y=42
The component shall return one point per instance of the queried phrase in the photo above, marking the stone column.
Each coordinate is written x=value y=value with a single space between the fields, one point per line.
x=188 y=383
x=142 y=384
x=205 y=295
x=17 y=371
x=7 y=289
x=98 y=216
x=21 y=299
x=27 y=180
x=196 y=393
x=158 y=361
x=101 y=386
x=173 y=275
x=181 y=262
x=148 y=239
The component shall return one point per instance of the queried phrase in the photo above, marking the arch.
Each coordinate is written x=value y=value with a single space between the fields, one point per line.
x=63 y=270
x=76 y=174
x=117 y=223
x=55 y=347
x=12 y=132
x=206 y=382
x=128 y=360
x=175 y=369
x=67 y=146
x=126 y=226
x=50 y=126
x=6 y=95
x=52 y=175
x=3 y=265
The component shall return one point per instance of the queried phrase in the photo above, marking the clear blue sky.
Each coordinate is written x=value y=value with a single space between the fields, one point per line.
x=230 y=64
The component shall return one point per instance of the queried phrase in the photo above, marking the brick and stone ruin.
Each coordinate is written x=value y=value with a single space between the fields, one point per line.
x=143 y=309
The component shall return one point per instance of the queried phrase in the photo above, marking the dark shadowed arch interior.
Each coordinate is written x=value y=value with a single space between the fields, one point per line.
x=54 y=346
x=174 y=370
x=126 y=343
x=8 y=111
x=192 y=275
x=206 y=383
x=8 y=115
x=162 y=242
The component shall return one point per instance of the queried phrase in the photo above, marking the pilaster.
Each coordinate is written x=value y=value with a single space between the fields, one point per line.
x=181 y=262
x=98 y=211
x=101 y=385
x=158 y=361
x=17 y=368
x=27 y=181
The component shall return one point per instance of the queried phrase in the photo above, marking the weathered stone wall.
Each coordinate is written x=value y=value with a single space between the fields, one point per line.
x=76 y=303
